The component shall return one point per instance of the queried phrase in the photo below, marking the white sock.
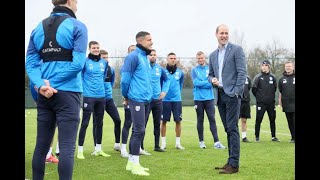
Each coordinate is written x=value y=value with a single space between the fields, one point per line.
x=163 y=140
x=80 y=148
x=98 y=147
x=177 y=140
x=124 y=147
x=141 y=149
x=116 y=144
x=49 y=153
x=57 y=148
x=130 y=159
x=135 y=159
x=244 y=134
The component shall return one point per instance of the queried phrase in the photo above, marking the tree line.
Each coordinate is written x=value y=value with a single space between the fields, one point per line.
x=276 y=54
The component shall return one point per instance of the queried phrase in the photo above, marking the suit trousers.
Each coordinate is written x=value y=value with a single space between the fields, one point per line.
x=229 y=110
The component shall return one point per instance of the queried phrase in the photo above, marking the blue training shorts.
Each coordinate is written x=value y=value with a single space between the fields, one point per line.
x=175 y=108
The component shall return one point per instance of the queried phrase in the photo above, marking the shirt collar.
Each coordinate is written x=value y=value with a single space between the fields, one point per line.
x=224 y=47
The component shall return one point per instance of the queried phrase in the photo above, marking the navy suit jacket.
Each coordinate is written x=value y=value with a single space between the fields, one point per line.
x=233 y=72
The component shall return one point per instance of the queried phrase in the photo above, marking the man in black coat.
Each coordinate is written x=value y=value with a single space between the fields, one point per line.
x=287 y=89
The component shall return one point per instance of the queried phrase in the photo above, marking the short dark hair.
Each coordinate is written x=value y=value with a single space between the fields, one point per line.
x=142 y=34
x=92 y=42
x=153 y=50
x=102 y=51
x=58 y=2
x=171 y=54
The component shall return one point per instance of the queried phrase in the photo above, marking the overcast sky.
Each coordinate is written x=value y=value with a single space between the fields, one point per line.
x=180 y=26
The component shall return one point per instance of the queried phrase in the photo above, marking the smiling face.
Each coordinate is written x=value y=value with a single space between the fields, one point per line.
x=94 y=49
x=222 y=34
x=201 y=59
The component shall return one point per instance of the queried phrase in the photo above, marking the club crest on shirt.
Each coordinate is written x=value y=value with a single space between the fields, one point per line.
x=177 y=75
x=137 y=108
x=284 y=81
x=101 y=67
x=157 y=71
x=85 y=105
x=270 y=80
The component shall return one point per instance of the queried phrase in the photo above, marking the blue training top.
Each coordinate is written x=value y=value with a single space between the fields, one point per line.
x=176 y=81
x=62 y=75
x=34 y=93
x=93 y=75
x=136 y=77
x=202 y=89
x=159 y=79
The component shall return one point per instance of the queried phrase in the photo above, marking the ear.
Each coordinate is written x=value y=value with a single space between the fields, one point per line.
x=69 y=2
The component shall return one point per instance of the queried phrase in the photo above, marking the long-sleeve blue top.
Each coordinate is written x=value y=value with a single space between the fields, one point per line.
x=109 y=85
x=136 y=77
x=159 y=79
x=62 y=75
x=93 y=75
x=176 y=82
x=202 y=89
x=34 y=93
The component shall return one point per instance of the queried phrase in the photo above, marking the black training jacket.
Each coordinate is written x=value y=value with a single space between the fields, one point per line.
x=264 y=88
x=287 y=88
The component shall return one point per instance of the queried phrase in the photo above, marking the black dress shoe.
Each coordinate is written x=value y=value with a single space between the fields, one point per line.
x=159 y=150
x=229 y=170
x=223 y=167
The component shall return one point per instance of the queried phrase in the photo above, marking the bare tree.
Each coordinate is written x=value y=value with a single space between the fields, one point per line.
x=276 y=53
x=238 y=39
x=253 y=61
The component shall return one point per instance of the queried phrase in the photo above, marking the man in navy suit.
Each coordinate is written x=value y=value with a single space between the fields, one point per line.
x=227 y=71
